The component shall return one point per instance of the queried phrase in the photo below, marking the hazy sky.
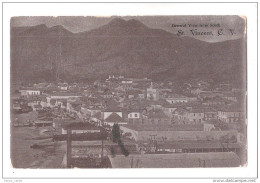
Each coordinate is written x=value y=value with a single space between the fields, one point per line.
x=80 y=24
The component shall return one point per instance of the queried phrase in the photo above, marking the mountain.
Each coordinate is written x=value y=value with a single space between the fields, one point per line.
x=122 y=47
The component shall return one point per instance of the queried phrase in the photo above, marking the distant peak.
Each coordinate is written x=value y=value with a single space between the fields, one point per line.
x=122 y=22
x=134 y=22
x=59 y=28
x=117 y=21
x=41 y=26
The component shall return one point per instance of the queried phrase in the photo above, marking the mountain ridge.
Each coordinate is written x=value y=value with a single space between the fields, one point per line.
x=121 y=47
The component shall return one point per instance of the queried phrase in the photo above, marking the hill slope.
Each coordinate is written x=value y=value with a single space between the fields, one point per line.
x=121 y=47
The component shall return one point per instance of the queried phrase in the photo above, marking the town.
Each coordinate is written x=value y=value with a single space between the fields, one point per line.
x=123 y=122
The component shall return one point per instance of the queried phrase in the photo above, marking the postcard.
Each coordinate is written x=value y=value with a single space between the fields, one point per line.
x=128 y=92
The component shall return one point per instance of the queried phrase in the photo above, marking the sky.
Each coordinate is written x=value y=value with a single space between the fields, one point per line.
x=219 y=28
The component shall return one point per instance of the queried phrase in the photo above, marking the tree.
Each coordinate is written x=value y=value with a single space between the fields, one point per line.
x=115 y=133
x=116 y=137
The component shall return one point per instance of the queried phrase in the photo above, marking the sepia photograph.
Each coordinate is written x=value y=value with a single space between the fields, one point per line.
x=128 y=92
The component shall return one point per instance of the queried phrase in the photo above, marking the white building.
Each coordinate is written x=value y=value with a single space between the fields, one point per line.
x=30 y=92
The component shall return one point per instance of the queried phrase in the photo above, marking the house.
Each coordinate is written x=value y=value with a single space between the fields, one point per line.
x=210 y=113
x=224 y=87
x=97 y=118
x=231 y=114
x=24 y=118
x=189 y=116
x=33 y=100
x=174 y=98
x=135 y=94
x=155 y=117
x=18 y=104
x=209 y=94
x=113 y=118
x=63 y=86
x=134 y=116
x=37 y=107
x=215 y=101
x=59 y=123
x=79 y=128
x=43 y=102
x=60 y=95
x=196 y=91
x=74 y=103
x=90 y=110
x=209 y=127
x=152 y=93
x=230 y=96
x=126 y=84
x=30 y=91
x=107 y=93
x=168 y=108
x=91 y=106
x=177 y=100
x=63 y=95
x=43 y=123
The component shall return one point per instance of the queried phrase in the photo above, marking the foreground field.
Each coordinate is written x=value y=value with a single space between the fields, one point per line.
x=23 y=156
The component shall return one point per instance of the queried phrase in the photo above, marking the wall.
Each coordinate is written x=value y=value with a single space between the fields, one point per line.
x=178 y=135
x=134 y=115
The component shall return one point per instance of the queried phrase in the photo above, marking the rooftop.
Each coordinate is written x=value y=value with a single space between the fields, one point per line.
x=65 y=94
x=176 y=160
x=232 y=108
x=157 y=114
x=80 y=126
x=113 y=118
x=181 y=127
x=197 y=145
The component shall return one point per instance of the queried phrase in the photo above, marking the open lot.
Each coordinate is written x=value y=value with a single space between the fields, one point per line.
x=23 y=156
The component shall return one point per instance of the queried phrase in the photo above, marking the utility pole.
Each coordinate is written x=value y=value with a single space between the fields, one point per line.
x=69 y=148
x=102 y=151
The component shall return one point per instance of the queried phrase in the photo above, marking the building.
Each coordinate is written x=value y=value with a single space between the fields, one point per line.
x=197 y=147
x=42 y=123
x=114 y=118
x=33 y=101
x=30 y=91
x=189 y=116
x=134 y=117
x=18 y=104
x=230 y=96
x=152 y=93
x=210 y=113
x=97 y=118
x=64 y=86
x=173 y=132
x=89 y=111
x=107 y=93
x=155 y=117
x=62 y=95
x=181 y=160
x=215 y=101
x=80 y=127
x=59 y=123
x=231 y=114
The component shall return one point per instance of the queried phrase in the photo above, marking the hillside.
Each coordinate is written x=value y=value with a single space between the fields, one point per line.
x=121 y=47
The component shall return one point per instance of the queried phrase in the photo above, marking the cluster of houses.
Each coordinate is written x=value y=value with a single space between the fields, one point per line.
x=146 y=110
